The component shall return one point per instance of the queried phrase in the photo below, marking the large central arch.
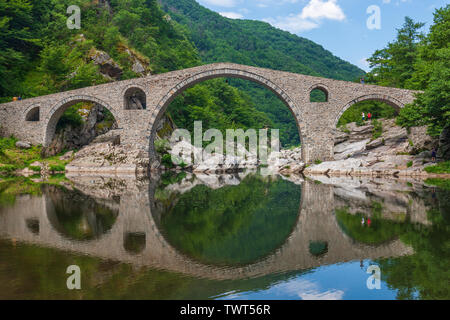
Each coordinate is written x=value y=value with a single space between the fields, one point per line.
x=164 y=103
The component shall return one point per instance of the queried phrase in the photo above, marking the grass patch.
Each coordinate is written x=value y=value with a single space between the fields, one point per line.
x=377 y=129
x=318 y=161
x=57 y=167
x=409 y=164
x=35 y=168
x=443 y=167
x=11 y=187
x=440 y=183
x=13 y=158
x=8 y=168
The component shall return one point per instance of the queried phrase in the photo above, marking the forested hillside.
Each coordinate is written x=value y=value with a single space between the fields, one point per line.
x=255 y=43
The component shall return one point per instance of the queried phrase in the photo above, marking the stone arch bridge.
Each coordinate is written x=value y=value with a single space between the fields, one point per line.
x=35 y=119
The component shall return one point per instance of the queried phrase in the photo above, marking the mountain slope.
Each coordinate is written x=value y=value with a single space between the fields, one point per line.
x=255 y=43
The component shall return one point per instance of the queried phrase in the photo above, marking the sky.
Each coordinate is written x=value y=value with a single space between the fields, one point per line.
x=350 y=29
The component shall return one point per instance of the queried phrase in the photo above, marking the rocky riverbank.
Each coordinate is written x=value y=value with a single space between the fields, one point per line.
x=380 y=148
x=375 y=149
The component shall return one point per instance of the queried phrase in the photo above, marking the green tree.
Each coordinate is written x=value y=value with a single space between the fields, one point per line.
x=432 y=74
x=393 y=66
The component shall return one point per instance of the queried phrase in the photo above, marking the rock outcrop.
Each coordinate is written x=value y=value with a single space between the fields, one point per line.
x=393 y=151
x=109 y=158
x=23 y=145
x=71 y=138
x=108 y=67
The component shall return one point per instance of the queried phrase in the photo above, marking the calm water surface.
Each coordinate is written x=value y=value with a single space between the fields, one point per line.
x=245 y=236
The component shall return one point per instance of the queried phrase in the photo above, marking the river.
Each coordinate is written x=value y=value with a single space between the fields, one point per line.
x=241 y=236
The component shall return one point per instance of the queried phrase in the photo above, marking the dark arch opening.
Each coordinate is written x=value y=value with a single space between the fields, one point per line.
x=135 y=99
x=79 y=217
x=134 y=242
x=78 y=123
x=33 y=225
x=33 y=115
x=318 y=94
x=318 y=248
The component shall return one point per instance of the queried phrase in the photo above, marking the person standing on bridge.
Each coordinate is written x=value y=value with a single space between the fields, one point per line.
x=369 y=116
x=363 y=115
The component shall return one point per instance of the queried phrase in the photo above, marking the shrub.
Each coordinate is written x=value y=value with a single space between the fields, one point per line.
x=57 y=167
x=377 y=129
x=410 y=164
x=35 y=168
x=8 y=168
x=162 y=146
x=443 y=167
x=318 y=162
x=167 y=161
x=183 y=165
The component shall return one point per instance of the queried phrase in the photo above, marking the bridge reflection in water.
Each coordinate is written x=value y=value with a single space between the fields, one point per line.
x=123 y=220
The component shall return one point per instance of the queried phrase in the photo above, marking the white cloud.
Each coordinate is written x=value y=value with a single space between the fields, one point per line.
x=310 y=17
x=292 y=23
x=308 y=290
x=364 y=64
x=221 y=3
x=231 y=15
x=319 y=9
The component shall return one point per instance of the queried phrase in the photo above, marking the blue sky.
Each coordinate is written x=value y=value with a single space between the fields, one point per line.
x=340 y=26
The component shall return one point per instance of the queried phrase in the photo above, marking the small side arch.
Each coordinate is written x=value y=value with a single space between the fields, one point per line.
x=32 y=114
x=396 y=104
x=134 y=98
x=134 y=242
x=320 y=87
x=59 y=108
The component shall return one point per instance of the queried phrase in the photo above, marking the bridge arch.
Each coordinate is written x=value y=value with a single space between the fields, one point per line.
x=321 y=87
x=59 y=108
x=396 y=104
x=32 y=114
x=134 y=98
x=164 y=103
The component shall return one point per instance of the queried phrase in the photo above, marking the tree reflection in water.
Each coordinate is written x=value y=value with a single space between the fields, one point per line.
x=233 y=225
x=77 y=216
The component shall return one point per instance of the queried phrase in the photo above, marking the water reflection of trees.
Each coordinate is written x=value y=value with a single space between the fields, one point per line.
x=423 y=275
x=77 y=216
x=234 y=224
